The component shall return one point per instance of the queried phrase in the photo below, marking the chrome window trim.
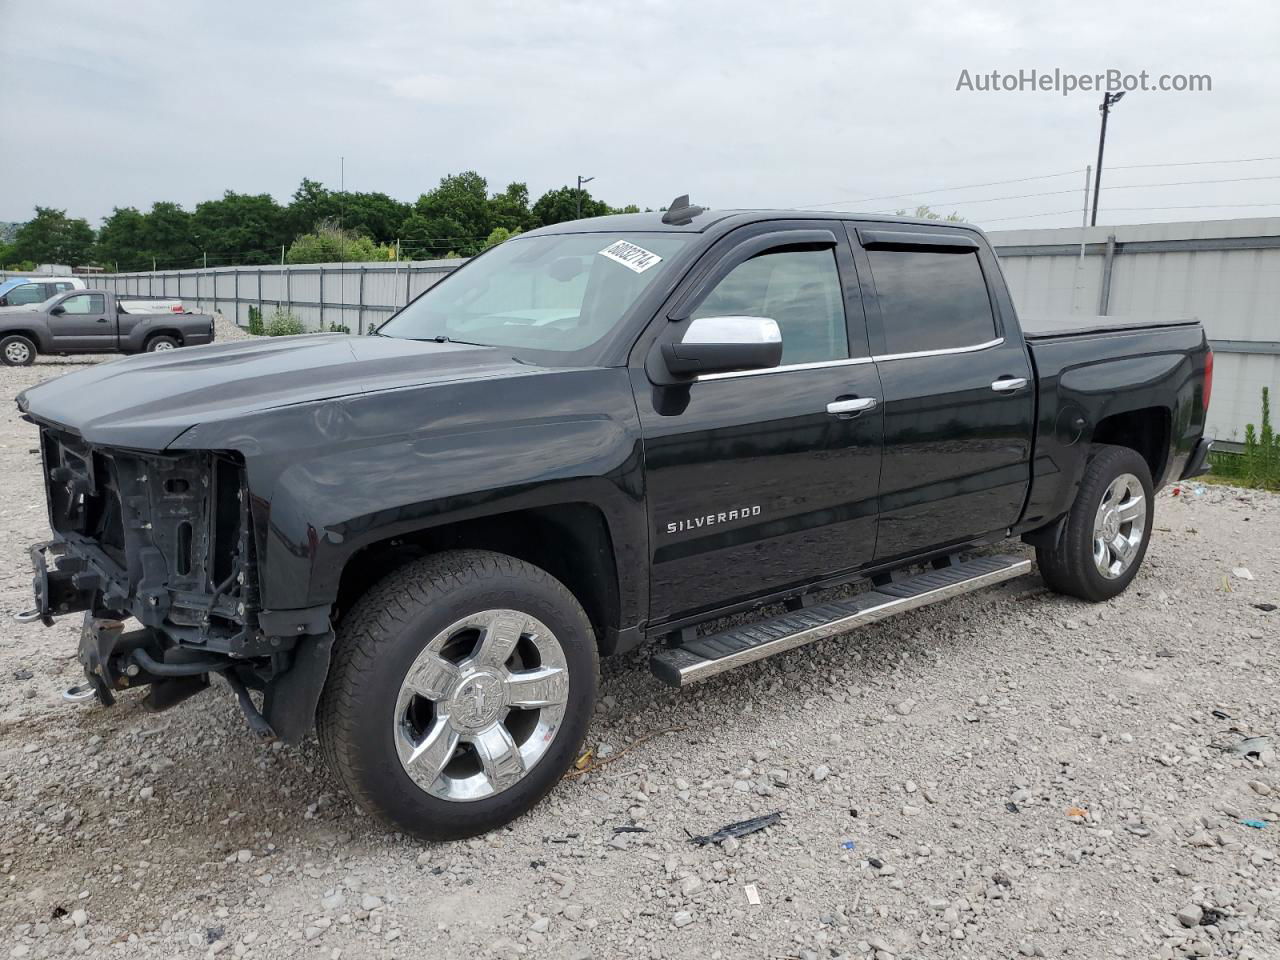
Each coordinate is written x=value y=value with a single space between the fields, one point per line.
x=815 y=365
x=852 y=361
x=974 y=348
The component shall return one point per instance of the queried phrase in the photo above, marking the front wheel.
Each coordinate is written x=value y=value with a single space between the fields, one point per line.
x=17 y=351
x=1107 y=529
x=460 y=691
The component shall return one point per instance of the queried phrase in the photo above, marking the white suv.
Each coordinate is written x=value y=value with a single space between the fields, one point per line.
x=20 y=291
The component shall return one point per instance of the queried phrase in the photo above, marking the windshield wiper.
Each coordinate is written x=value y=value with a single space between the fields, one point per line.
x=442 y=338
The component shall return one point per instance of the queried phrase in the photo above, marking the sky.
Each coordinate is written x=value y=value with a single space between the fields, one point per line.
x=844 y=105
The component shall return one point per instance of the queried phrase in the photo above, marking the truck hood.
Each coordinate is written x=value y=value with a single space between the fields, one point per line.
x=147 y=401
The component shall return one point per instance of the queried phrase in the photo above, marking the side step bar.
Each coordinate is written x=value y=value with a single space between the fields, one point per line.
x=716 y=653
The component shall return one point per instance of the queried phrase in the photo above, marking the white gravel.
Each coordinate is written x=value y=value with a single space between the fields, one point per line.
x=1009 y=774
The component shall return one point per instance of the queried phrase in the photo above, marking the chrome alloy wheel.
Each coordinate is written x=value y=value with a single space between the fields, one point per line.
x=1119 y=526
x=17 y=353
x=481 y=705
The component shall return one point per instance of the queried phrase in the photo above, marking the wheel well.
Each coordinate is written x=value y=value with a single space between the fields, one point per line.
x=1146 y=431
x=162 y=333
x=569 y=541
x=27 y=334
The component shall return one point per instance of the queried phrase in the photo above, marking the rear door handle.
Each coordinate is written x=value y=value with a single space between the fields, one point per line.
x=855 y=405
x=1008 y=384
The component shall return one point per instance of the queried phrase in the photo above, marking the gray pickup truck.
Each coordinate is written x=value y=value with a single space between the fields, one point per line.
x=93 y=321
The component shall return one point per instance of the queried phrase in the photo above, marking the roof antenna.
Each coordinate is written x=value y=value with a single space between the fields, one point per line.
x=681 y=212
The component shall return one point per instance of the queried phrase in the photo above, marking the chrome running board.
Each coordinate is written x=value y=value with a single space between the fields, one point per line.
x=718 y=652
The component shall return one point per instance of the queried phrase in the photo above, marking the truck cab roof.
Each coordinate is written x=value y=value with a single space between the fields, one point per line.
x=724 y=220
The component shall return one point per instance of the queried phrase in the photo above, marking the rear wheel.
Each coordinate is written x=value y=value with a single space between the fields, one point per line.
x=162 y=342
x=17 y=351
x=460 y=690
x=1107 y=529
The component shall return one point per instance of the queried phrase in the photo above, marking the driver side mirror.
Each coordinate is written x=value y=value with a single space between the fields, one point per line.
x=59 y=309
x=724 y=345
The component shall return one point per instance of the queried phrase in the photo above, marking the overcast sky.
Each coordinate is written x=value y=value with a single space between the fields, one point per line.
x=740 y=104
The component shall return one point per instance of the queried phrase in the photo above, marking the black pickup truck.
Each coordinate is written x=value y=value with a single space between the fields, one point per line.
x=596 y=434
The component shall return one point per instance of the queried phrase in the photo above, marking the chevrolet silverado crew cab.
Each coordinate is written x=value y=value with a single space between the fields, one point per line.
x=595 y=434
x=96 y=321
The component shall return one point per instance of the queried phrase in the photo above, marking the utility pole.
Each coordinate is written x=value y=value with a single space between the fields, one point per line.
x=577 y=197
x=1109 y=100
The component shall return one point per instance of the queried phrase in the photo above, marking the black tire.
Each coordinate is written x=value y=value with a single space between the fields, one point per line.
x=1069 y=567
x=377 y=643
x=162 y=342
x=17 y=351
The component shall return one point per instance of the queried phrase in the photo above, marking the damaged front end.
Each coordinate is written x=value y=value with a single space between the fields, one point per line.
x=168 y=540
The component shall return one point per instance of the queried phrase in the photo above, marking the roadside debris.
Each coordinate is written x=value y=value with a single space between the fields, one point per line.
x=22 y=675
x=1221 y=714
x=753 y=895
x=848 y=845
x=627 y=829
x=1249 y=746
x=584 y=764
x=1256 y=824
x=1265 y=607
x=740 y=829
x=1074 y=811
x=1243 y=573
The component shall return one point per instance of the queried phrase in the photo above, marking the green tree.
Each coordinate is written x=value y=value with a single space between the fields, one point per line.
x=559 y=206
x=240 y=228
x=510 y=209
x=53 y=237
x=328 y=244
x=122 y=239
x=499 y=235
x=169 y=238
x=312 y=205
x=923 y=212
x=453 y=217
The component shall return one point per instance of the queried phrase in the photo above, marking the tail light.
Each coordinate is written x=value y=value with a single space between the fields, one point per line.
x=1208 y=379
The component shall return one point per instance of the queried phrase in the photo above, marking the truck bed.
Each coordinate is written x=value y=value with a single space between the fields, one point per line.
x=1067 y=325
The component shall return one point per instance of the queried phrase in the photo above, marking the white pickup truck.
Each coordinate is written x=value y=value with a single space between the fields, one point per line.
x=29 y=291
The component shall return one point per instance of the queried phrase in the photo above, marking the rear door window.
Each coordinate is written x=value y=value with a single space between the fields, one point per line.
x=931 y=300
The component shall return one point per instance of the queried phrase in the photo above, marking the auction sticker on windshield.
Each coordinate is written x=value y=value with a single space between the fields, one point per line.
x=631 y=256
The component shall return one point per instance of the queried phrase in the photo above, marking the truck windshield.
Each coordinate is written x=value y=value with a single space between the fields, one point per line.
x=558 y=293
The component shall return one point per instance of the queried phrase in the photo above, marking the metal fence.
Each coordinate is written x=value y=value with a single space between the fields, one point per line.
x=321 y=295
x=1226 y=272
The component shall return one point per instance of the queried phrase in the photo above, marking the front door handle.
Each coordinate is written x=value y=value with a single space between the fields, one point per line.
x=855 y=405
x=1009 y=384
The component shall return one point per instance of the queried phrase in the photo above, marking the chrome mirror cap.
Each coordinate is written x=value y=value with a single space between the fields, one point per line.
x=744 y=330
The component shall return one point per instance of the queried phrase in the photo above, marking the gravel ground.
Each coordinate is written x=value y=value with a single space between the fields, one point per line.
x=1008 y=774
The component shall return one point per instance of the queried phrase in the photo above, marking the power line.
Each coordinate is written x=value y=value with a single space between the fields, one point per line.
x=1122 y=186
x=1188 y=163
x=915 y=193
x=1193 y=206
x=1047 y=176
